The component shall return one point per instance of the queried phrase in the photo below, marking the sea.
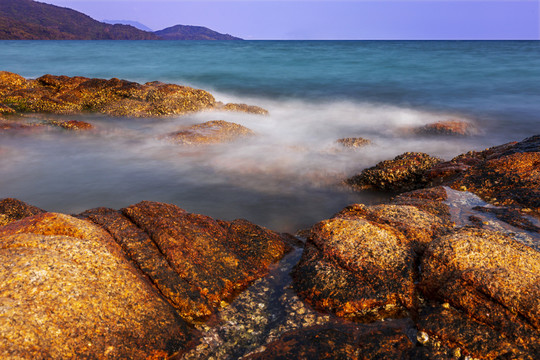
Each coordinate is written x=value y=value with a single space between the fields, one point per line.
x=290 y=175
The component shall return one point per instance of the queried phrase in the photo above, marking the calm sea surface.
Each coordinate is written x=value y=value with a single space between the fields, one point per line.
x=288 y=176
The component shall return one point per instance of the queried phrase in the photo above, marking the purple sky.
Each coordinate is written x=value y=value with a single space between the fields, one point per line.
x=323 y=19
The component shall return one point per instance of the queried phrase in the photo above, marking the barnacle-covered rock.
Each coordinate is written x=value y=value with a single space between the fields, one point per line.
x=210 y=132
x=74 y=125
x=67 y=291
x=404 y=173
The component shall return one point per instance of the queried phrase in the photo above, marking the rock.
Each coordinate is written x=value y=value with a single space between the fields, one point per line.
x=431 y=200
x=251 y=109
x=510 y=180
x=457 y=330
x=16 y=126
x=381 y=341
x=491 y=277
x=418 y=227
x=75 y=125
x=447 y=127
x=73 y=95
x=13 y=210
x=210 y=132
x=357 y=269
x=6 y=110
x=195 y=261
x=403 y=173
x=68 y=292
x=353 y=143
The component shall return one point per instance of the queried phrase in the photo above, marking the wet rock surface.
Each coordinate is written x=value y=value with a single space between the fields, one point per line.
x=250 y=109
x=404 y=173
x=210 y=132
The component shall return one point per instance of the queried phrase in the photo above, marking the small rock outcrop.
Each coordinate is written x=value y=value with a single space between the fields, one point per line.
x=404 y=173
x=354 y=142
x=13 y=210
x=210 y=132
x=250 y=109
x=447 y=127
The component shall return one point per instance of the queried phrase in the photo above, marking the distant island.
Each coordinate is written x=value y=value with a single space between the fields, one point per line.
x=31 y=20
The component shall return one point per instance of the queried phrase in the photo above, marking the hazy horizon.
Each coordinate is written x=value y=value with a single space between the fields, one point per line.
x=331 y=20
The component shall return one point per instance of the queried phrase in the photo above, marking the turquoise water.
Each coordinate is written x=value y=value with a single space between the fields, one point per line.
x=316 y=92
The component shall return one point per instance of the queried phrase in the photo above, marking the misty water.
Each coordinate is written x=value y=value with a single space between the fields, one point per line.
x=289 y=175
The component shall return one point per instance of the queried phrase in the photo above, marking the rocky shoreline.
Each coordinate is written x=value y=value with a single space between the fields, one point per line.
x=447 y=269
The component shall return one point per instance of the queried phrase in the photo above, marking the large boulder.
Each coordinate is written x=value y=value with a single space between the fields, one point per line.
x=67 y=291
x=404 y=173
x=356 y=268
x=71 y=95
x=194 y=260
x=491 y=277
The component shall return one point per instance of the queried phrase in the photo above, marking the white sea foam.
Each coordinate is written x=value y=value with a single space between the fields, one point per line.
x=293 y=160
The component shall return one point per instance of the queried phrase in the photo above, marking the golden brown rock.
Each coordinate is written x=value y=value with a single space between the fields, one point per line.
x=13 y=210
x=75 y=125
x=68 y=292
x=210 y=132
x=72 y=95
x=216 y=257
x=491 y=277
x=447 y=127
x=404 y=173
x=356 y=268
x=251 y=109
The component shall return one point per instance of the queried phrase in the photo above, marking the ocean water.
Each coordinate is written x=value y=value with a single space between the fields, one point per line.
x=289 y=176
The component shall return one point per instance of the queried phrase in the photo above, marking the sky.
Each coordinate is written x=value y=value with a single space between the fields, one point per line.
x=331 y=20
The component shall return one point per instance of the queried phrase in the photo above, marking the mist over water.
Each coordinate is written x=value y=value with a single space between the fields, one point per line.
x=289 y=175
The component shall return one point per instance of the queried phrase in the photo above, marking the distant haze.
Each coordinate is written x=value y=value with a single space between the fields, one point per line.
x=377 y=19
x=136 y=24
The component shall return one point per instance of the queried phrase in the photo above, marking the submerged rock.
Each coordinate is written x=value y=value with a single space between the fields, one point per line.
x=353 y=143
x=75 y=125
x=210 y=132
x=447 y=127
x=404 y=173
x=68 y=292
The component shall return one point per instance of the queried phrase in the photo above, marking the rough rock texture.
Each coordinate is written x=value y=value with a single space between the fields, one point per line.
x=13 y=210
x=251 y=109
x=210 y=132
x=356 y=268
x=448 y=127
x=414 y=226
x=75 y=125
x=71 y=95
x=67 y=291
x=489 y=276
x=195 y=261
x=404 y=173
x=353 y=143
x=383 y=341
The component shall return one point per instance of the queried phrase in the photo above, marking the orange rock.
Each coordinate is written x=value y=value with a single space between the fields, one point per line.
x=210 y=132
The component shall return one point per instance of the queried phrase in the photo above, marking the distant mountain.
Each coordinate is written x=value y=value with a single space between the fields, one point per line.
x=32 y=20
x=135 y=24
x=187 y=32
x=27 y=19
